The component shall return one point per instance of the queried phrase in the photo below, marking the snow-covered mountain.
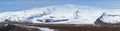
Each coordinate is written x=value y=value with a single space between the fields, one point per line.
x=67 y=14
x=108 y=18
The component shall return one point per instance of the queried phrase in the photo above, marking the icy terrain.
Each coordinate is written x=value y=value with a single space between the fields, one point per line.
x=66 y=14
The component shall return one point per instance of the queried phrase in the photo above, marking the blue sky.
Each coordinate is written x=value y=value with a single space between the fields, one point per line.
x=15 y=5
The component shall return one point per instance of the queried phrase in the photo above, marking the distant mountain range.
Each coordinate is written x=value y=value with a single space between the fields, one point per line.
x=66 y=14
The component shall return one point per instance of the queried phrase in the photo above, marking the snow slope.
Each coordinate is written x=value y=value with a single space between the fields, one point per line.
x=109 y=18
x=67 y=14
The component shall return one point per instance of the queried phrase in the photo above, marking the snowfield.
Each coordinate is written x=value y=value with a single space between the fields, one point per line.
x=65 y=14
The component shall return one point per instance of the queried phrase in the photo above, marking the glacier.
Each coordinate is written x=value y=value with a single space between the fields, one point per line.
x=57 y=14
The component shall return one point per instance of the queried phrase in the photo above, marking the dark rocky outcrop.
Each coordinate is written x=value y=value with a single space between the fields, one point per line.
x=11 y=27
x=101 y=21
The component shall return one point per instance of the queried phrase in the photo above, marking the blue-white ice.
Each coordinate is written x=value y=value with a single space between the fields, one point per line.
x=65 y=14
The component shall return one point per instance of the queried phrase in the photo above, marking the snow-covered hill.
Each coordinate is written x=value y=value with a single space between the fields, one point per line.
x=67 y=14
x=108 y=18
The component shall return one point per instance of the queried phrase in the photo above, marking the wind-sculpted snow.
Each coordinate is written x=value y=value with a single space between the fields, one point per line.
x=67 y=14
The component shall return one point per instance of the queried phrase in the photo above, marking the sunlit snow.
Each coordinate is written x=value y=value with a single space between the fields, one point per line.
x=66 y=14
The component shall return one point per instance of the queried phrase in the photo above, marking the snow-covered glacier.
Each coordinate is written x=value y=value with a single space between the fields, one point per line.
x=66 y=14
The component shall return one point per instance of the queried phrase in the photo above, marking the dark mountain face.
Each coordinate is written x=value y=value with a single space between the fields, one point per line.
x=7 y=21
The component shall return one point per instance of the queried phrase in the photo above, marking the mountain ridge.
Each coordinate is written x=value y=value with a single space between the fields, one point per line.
x=67 y=14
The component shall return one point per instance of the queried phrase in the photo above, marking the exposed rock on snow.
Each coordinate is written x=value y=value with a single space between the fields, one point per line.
x=108 y=18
